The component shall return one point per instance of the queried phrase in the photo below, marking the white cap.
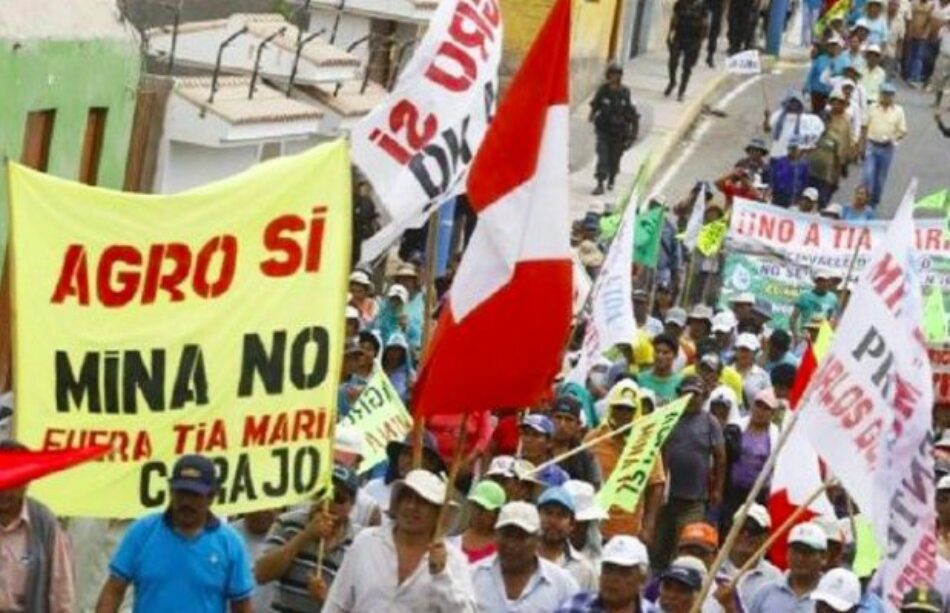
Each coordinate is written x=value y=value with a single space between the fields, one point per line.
x=361 y=278
x=743 y=298
x=760 y=515
x=523 y=470
x=624 y=550
x=348 y=439
x=747 y=340
x=809 y=534
x=585 y=502
x=398 y=291
x=428 y=485
x=501 y=466
x=831 y=528
x=352 y=312
x=839 y=588
x=944 y=483
x=520 y=514
x=873 y=48
x=811 y=193
x=724 y=321
x=691 y=562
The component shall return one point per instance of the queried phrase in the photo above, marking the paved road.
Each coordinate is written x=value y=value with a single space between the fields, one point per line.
x=717 y=142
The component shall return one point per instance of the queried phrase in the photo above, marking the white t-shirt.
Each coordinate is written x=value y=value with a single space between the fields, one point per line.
x=807 y=126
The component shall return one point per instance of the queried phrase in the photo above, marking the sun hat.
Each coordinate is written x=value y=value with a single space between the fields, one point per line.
x=521 y=515
x=585 y=501
x=428 y=485
x=360 y=278
x=406 y=270
x=348 y=439
x=488 y=495
x=839 y=588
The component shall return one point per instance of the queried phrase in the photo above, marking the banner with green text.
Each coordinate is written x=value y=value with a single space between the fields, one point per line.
x=380 y=416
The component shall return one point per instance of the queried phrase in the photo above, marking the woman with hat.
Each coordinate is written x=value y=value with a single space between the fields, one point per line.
x=361 y=290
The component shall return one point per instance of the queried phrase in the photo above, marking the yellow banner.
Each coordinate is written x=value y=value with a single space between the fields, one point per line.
x=207 y=322
x=630 y=477
x=710 y=238
x=380 y=416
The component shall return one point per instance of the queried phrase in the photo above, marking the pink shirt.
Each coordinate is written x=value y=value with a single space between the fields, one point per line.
x=14 y=539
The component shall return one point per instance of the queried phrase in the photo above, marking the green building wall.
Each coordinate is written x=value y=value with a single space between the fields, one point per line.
x=69 y=77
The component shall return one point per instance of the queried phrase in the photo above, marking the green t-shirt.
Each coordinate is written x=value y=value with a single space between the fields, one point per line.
x=810 y=304
x=664 y=387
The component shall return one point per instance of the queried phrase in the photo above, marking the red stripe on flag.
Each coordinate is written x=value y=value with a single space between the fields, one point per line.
x=505 y=352
x=508 y=155
x=20 y=467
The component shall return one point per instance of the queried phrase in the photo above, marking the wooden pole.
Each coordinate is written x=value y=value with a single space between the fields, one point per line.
x=744 y=511
x=777 y=534
x=453 y=474
x=432 y=241
x=580 y=448
x=688 y=286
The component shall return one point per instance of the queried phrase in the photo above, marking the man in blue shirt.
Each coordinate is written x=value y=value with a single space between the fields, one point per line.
x=184 y=559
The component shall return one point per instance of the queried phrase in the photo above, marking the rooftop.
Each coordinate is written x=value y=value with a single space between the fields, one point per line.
x=231 y=103
x=349 y=101
x=22 y=20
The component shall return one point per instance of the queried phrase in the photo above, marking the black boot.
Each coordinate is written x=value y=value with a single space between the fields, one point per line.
x=610 y=184
x=599 y=190
x=709 y=60
x=669 y=89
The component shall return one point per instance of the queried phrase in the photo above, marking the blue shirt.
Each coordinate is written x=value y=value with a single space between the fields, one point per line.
x=813 y=82
x=590 y=602
x=789 y=179
x=778 y=596
x=170 y=571
x=849 y=214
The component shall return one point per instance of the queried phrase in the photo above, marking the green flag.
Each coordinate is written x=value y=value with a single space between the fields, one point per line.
x=629 y=478
x=936 y=201
x=646 y=237
x=867 y=551
x=838 y=10
x=935 y=317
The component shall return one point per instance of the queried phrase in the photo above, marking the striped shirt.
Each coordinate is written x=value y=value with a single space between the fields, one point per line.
x=291 y=595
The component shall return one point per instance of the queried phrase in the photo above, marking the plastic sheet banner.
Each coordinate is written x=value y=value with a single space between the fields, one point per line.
x=380 y=416
x=773 y=252
x=206 y=322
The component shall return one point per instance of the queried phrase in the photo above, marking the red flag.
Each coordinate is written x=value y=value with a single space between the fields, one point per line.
x=19 y=467
x=499 y=338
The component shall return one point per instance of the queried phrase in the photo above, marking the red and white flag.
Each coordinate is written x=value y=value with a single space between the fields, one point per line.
x=797 y=473
x=500 y=336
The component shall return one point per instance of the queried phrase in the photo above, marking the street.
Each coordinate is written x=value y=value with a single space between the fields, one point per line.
x=716 y=142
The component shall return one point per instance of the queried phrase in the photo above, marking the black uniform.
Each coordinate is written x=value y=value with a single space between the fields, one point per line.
x=714 y=7
x=686 y=39
x=742 y=17
x=615 y=121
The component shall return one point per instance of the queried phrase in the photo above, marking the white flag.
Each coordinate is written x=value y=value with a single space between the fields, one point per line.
x=416 y=147
x=611 y=302
x=747 y=62
x=867 y=408
x=695 y=223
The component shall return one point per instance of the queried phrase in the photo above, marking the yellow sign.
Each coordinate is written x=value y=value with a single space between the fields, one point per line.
x=710 y=238
x=206 y=322
x=380 y=416
x=630 y=477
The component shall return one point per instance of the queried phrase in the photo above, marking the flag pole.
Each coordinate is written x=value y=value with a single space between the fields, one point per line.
x=576 y=450
x=453 y=474
x=744 y=510
x=432 y=241
x=782 y=529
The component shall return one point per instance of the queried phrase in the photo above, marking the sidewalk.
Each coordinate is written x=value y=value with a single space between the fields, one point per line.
x=663 y=123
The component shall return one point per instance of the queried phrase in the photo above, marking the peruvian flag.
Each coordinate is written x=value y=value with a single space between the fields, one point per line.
x=499 y=338
x=19 y=467
x=797 y=469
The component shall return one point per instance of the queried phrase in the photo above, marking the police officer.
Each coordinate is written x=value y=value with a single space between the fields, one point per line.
x=687 y=30
x=615 y=122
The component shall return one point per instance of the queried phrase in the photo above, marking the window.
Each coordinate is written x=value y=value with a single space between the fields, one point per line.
x=92 y=145
x=37 y=138
x=270 y=151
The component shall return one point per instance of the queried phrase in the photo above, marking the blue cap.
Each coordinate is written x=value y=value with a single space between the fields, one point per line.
x=690 y=577
x=888 y=88
x=557 y=495
x=538 y=423
x=193 y=473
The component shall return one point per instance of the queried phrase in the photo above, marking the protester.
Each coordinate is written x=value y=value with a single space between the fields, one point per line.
x=918 y=31
x=254 y=528
x=36 y=565
x=819 y=300
x=875 y=75
x=838 y=591
x=695 y=454
x=858 y=210
x=614 y=117
x=829 y=160
x=789 y=175
x=680 y=585
x=943 y=517
x=756 y=160
x=624 y=404
x=688 y=28
x=884 y=127
x=478 y=540
x=588 y=514
x=405 y=566
x=922 y=599
x=292 y=555
x=183 y=555
x=517 y=577
x=806 y=559
x=790 y=120
x=754 y=377
x=661 y=378
x=750 y=539
x=361 y=287
x=399 y=456
x=568 y=434
x=815 y=86
x=348 y=452
x=623 y=572
x=397 y=364
x=536 y=432
x=556 y=509
x=394 y=316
